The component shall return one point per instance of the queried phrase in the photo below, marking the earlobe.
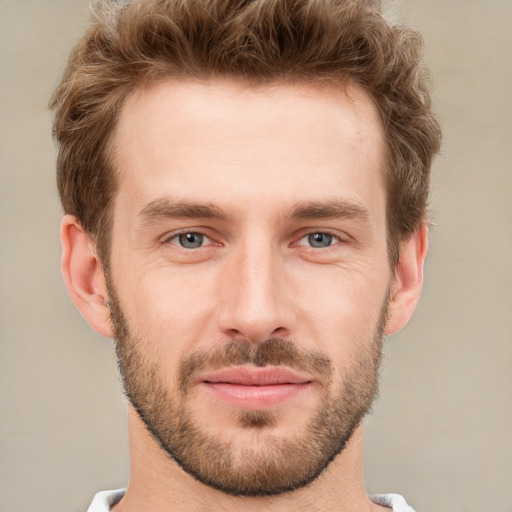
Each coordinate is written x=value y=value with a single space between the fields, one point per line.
x=84 y=277
x=408 y=280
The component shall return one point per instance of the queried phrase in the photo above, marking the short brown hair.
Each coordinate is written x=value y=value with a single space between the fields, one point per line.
x=131 y=44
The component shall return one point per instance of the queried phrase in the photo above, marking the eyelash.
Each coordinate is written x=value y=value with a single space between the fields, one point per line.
x=335 y=238
x=176 y=236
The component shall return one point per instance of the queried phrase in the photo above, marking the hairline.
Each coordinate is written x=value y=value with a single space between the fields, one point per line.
x=141 y=87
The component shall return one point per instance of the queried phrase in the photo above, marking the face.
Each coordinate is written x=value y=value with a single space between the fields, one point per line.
x=249 y=275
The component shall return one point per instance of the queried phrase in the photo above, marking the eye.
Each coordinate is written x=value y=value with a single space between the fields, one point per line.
x=319 y=240
x=190 y=240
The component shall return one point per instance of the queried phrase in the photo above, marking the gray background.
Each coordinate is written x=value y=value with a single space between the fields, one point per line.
x=441 y=431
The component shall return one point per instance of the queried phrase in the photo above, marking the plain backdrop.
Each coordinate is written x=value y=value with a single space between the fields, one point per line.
x=441 y=430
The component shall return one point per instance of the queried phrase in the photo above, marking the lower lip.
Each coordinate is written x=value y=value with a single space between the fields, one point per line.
x=254 y=397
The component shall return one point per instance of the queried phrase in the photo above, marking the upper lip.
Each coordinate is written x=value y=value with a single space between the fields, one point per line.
x=244 y=376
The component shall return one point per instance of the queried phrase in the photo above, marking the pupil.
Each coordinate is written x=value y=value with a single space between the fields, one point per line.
x=191 y=240
x=320 y=240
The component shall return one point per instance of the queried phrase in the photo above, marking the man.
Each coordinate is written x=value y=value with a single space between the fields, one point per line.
x=245 y=189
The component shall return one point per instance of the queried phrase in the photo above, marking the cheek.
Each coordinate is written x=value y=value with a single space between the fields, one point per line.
x=340 y=307
x=169 y=308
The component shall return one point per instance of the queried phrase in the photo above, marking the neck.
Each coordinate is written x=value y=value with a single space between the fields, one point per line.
x=158 y=484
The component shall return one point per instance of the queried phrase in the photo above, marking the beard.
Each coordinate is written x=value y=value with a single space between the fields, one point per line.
x=268 y=464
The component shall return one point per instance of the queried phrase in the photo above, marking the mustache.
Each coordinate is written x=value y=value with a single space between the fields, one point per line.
x=271 y=352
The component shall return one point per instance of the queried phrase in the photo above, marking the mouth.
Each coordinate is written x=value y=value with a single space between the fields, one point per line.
x=254 y=388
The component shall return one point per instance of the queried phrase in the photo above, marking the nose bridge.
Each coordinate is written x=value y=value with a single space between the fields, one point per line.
x=258 y=274
x=254 y=306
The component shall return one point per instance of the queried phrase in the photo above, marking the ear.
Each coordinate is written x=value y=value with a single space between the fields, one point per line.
x=84 y=277
x=408 y=281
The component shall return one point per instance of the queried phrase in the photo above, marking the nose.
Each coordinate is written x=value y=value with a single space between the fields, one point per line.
x=255 y=295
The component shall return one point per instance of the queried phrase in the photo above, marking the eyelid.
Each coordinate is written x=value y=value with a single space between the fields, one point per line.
x=169 y=237
x=341 y=237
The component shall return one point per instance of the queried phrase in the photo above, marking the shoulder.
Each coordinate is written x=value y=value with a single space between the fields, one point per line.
x=105 y=499
x=396 y=502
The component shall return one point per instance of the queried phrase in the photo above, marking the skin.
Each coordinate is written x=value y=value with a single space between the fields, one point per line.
x=255 y=155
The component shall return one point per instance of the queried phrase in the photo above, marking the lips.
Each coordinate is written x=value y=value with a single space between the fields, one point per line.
x=254 y=388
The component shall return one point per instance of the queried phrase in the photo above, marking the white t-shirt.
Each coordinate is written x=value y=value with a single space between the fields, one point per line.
x=105 y=499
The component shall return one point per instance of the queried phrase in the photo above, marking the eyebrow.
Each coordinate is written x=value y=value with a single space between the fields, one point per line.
x=333 y=209
x=167 y=208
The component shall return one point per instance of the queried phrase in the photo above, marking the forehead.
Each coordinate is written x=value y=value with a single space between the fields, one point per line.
x=226 y=139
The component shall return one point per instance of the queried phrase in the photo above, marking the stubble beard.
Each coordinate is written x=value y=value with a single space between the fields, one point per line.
x=270 y=465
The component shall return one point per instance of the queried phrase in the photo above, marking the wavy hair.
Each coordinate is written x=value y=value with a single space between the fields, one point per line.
x=131 y=44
